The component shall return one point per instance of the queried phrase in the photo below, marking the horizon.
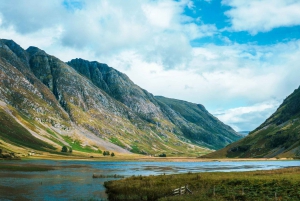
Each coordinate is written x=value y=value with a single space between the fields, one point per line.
x=238 y=59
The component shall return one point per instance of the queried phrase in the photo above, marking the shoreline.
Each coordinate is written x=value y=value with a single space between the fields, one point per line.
x=138 y=158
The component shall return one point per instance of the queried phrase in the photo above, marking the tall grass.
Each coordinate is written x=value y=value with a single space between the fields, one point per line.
x=283 y=184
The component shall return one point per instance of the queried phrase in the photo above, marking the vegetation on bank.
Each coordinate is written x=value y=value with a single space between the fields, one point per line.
x=24 y=168
x=282 y=184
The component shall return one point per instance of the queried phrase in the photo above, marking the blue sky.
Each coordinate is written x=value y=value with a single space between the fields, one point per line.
x=214 y=12
x=239 y=59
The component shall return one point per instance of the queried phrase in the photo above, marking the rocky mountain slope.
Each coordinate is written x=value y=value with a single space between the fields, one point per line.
x=278 y=136
x=90 y=106
x=197 y=123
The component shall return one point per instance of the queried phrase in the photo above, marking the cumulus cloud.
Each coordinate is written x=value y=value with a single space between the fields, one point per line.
x=262 y=15
x=158 y=30
x=30 y=16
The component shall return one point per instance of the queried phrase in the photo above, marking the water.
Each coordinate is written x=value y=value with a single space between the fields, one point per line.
x=73 y=179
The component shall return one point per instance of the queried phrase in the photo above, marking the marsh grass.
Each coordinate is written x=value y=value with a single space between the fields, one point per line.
x=107 y=176
x=283 y=184
x=23 y=168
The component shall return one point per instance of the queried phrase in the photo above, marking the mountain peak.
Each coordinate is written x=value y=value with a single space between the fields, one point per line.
x=15 y=48
x=35 y=50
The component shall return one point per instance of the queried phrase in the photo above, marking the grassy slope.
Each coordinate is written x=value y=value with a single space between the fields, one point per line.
x=256 y=185
x=11 y=131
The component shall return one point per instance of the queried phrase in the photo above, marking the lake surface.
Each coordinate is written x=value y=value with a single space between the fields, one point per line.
x=73 y=180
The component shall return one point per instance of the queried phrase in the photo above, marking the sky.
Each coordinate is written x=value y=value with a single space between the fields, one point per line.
x=240 y=59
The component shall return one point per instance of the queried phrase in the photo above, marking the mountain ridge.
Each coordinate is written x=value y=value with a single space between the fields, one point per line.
x=89 y=101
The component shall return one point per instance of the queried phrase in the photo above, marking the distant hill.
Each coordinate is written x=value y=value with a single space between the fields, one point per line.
x=244 y=133
x=278 y=136
x=90 y=106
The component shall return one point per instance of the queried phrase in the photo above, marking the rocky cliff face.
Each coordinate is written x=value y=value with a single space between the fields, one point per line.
x=278 y=136
x=120 y=87
x=197 y=124
x=98 y=107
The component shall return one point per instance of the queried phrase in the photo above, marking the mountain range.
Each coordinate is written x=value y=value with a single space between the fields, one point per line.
x=46 y=103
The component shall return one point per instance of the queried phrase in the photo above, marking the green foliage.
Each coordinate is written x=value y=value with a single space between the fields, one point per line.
x=256 y=185
x=112 y=154
x=51 y=132
x=70 y=150
x=135 y=149
x=64 y=149
x=162 y=155
x=117 y=142
x=106 y=153
x=76 y=145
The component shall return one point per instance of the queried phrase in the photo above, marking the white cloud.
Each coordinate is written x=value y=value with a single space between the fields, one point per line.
x=29 y=16
x=158 y=30
x=191 y=5
x=247 y=118
x=262 y=15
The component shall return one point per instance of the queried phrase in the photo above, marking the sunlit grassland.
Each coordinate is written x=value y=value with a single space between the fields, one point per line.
x=283 y=184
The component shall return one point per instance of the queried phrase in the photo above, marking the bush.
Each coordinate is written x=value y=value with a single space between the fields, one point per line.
x=70 y=150
x=112 y=154
x=64 y=149
x=162 y=155
x=106 y=153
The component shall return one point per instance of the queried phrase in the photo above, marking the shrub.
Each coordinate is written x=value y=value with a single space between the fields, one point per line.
x=112 y=154
x=70 y=150
x=162 y=155
x=64 y=149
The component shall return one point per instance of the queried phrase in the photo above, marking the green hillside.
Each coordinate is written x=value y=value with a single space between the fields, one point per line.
x=278 y=136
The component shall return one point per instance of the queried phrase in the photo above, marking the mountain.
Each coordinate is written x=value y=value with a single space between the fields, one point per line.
x=197 y=123
x=46 y=103
x=278 y=136
x=244 y=133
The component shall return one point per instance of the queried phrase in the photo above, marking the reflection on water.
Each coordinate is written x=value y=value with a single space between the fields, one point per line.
x=72 y=180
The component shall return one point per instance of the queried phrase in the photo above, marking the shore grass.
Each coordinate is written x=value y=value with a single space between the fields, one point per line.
x=282 y=184
x=23 y=168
